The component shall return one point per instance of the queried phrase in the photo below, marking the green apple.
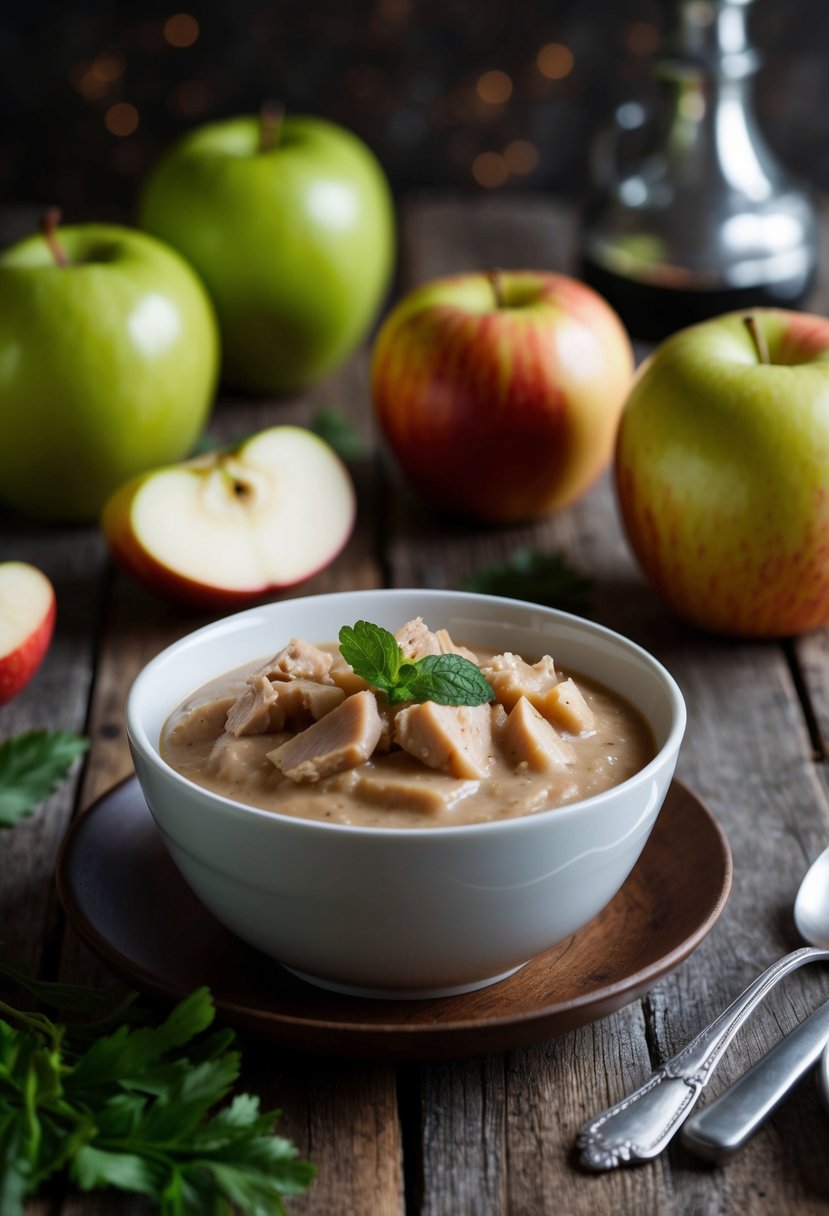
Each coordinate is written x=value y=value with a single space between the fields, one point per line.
x=291 y=226
x=722 y=472
x=108 y=363
x=499 y=394
x=228 y=527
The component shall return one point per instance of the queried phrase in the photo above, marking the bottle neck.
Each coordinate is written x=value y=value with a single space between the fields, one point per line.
x=710 y=38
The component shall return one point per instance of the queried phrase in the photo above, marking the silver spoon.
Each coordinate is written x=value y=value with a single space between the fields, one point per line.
x=811 y=906
x=726 y=1124
x=640 y=1126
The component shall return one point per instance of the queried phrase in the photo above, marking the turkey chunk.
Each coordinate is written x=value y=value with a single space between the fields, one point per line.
x=512 y=678
x=454 y=738
x=395 y=783
x=416 y=640
x=263 y=706
x=345 y=677
x=342 y=739
x=301 y=702
x=250 y=713
x=299 y=661
x=569 y=710
x=528 y=739
x=447 y=646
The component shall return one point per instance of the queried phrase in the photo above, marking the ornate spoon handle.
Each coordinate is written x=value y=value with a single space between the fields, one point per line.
x=642 y=1124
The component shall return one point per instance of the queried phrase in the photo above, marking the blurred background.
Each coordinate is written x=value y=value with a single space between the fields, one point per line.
x=474 y=95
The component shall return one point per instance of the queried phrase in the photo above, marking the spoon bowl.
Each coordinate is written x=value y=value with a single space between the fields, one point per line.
x=811 y=906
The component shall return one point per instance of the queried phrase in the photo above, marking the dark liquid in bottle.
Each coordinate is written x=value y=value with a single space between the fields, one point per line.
x=652 y=313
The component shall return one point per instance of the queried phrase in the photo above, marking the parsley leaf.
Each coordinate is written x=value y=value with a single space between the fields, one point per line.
x=133 y=1110
x=448 y=679
x=31 y=767
x=543 y=578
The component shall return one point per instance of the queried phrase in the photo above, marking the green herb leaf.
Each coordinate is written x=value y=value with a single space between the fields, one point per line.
x=448 y=679
x=543 y=578
x=134 y=1111
x=340 y=434
x=32 y=765
x=373 y=652
x=58 y=996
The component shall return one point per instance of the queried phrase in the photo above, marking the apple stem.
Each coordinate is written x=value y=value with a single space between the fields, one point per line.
x=271 y=117
x=758 y=338
x=48 y=227
x=496 y=282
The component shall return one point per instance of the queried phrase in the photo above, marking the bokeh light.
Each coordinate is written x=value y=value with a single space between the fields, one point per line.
x=521 y=156
x=181 y=30
x=494 y=87
x=121 y=119
x=489 y=170
x=555 y=61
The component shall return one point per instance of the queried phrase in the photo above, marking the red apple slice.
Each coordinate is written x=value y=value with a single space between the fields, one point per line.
x=27 y=621
x=228 y=527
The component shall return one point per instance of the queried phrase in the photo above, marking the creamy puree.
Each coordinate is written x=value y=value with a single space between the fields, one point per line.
x=531 y=749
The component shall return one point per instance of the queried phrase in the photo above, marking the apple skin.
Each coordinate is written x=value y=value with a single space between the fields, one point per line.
x=28 y=609
x=215 y=539
x=502 y=413
x=722 y=474
x=296 y=244
x=107 y=366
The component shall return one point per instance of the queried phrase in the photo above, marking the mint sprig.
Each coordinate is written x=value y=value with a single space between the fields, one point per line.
x=448 y=679
x=31 y=766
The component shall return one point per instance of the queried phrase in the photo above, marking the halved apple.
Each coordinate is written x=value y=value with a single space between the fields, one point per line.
x=27 y=622
x=230 y=526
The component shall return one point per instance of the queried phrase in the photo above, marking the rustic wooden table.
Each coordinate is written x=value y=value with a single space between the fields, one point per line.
x=483 y=1135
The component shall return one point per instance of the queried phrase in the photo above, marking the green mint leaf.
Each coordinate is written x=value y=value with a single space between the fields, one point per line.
x=32 y=765
x=373 y=653
x=449 y=679
x=543 y=578
x=340 y=434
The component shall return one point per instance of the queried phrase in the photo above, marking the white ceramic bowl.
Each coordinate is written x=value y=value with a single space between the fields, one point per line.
x=396 y=912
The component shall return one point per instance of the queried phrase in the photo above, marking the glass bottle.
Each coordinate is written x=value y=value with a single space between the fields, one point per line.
x=708 y=220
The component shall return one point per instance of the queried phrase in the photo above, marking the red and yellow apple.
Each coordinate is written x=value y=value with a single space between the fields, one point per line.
x=230 y=526
x=722 y=472
x=27 y=622
x=499 y=394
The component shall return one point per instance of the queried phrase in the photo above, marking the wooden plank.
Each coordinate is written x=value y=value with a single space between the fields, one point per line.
x=55 y=699
x=747 y=752
x=462 y=1126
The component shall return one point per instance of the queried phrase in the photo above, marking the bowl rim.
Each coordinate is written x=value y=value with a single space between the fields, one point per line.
x=139 y=739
